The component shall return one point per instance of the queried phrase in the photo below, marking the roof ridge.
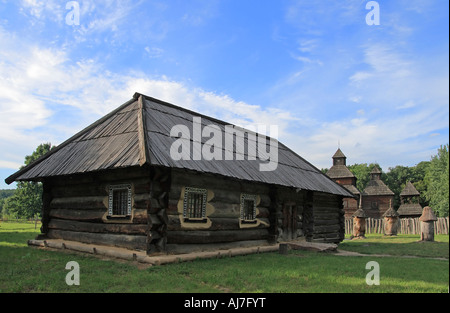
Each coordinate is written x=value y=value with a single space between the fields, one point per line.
x=142 y=131
x=213 y=119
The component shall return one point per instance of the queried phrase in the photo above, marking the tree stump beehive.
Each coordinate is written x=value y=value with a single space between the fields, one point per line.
x=427 y=224
x=390 y=222
x=359 y=224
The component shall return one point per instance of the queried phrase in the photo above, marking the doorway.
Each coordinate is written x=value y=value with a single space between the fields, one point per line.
x=289 y=221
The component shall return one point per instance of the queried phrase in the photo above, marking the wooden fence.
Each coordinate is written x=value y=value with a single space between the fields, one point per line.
x=409 y=226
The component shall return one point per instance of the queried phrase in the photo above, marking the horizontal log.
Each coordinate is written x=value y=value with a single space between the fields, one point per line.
x=226 y=210
x=86 y=190
x=231 y=197
x=326 y=228
x=333 y=221
x=125 y=241
x=143 y=186
x=116 y=176
x=220 y=209
x=86 y=203
x=217 y=223
x=326 y=215
x=82 y=215
x=326 y=209
x=140 y=216
x=184 y=178
x=188 y=248
x=129 y=229
x=141 y=201
x=198 y=236
x=263 y=212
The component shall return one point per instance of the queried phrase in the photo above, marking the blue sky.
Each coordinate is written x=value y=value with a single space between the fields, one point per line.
x=314 y=68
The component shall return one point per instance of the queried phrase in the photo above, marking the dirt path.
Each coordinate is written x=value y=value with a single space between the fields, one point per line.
x=351 y=253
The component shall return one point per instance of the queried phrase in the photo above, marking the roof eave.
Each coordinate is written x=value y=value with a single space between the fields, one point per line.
x=16 y=175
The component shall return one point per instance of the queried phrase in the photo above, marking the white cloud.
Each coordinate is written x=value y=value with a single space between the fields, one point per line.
x=360 y=76
x=47 y=97
x=308 y=45
x=10 y=165
x=40 y=9
x=407 y=105
x=154 y=52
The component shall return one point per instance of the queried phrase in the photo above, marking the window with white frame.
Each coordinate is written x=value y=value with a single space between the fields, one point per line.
x=248 y=208
x=119 y=201
x=194 y=204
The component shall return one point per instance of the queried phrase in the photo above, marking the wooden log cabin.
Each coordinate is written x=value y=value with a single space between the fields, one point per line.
x=115 y=183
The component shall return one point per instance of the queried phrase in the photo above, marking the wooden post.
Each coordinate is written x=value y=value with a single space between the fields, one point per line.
x=283 y=249
x=308 y=216
x=45 y=213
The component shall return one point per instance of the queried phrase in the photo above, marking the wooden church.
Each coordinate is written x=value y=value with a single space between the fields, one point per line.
x=340 y=173
x=116 y=183
x=410 y=206
x=377 y=198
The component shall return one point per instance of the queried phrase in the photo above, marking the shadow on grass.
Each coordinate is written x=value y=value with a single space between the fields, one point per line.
x=398 y=246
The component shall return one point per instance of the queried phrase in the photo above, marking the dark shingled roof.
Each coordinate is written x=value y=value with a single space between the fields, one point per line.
x=352 y=189
x=138 y=133
x=375 y=186
x=409 y=190
x=339 y=154
x=339 y=171
x=410 y=209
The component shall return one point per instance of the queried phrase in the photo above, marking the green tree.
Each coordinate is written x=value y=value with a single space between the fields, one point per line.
x=396 y=179
x=26 y=201
x=4 y=194
x=438 y=181
x=419 y=181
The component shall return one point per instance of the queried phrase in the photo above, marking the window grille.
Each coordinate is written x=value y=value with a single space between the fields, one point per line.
x=119 y=203
x=248 y=208
x=194 y=205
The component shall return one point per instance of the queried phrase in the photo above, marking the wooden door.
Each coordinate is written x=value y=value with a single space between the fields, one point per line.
x=289 y=221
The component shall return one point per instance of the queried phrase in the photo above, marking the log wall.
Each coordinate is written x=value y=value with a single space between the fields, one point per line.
x=383 y=205
x=223 y=224
x=329 y=220
x=77 y=207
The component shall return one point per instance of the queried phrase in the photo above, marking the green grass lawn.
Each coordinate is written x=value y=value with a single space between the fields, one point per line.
x=402 y=245
x=26 y=269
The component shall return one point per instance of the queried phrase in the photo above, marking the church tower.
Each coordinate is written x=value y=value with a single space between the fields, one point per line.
x=342 y=175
